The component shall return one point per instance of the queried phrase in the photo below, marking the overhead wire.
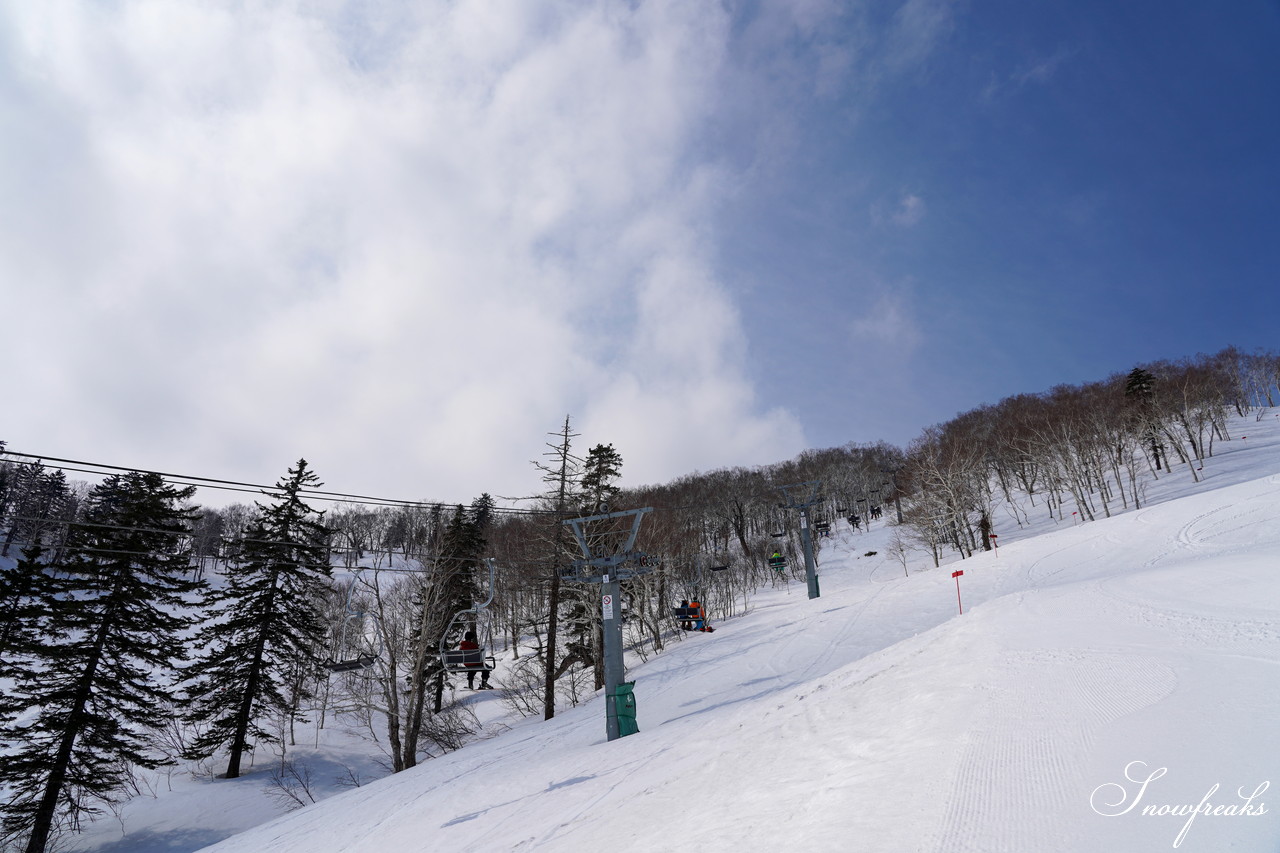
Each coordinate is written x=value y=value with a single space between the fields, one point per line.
x=318 y=494
x=237 y=486
x=103 y=469
x=422 y=557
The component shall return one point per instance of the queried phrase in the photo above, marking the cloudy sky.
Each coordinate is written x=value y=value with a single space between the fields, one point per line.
x=405 y=239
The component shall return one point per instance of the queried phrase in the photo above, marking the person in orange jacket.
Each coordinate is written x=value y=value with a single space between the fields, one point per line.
x=699 y=617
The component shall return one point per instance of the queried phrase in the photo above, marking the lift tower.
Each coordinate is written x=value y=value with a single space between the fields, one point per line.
x=792 y=502
x=608 y=543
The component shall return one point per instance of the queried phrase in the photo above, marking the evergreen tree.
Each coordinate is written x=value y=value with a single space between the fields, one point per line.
x=42 y=498
x=24 y=588
x=264 y=624
x=87 y=675
x=603 y=466
x=453 y=590
x=6 y=485
x=461 y=551
x=1140 y=390
x=23 y=486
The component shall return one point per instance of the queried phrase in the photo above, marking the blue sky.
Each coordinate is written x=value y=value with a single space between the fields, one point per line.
x=404 y=240
x=1096 y=186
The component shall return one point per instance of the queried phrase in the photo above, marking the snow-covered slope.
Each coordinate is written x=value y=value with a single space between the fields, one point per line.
x=1144 y=646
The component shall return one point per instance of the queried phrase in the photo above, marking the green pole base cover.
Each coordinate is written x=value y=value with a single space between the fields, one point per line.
x=624 y=707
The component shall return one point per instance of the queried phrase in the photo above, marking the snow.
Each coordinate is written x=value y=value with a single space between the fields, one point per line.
x=1090 y=657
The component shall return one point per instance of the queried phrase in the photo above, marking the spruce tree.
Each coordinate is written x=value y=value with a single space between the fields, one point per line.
x=6 y=485
x=24 y=590
x=1140 y=390
x=603 y=466
x=90 y=675
x=42 y=499
x=460 y=555
x=265 y=623
x=461 y=551
x=454 y=588
x=23 y=487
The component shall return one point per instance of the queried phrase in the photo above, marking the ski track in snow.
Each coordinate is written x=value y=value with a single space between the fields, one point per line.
x=1020 y=775
x=1191 y=627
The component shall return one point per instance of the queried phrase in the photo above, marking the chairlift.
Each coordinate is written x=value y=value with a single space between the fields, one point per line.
x=695 y=618
x=369 y=648
x=685 y=613
x=468 y=660
x=778 y=561
x=471 y=660
x=362 y=662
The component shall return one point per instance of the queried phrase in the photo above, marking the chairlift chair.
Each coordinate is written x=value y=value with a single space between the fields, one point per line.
x=468 y=660
x=471 y=660
x=692 y=616
x=352 y=664
x=685 y=613
x=368 y=648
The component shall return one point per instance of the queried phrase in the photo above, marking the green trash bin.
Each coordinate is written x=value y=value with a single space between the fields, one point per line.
x=624 y=708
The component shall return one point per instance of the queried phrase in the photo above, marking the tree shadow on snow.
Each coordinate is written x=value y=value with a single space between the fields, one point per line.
x=173 y=841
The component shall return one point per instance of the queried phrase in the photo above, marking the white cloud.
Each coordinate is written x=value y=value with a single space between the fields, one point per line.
x=1035 y=72
x=907 y=213
x=915 y=31
x=402 y=240
x=910 y=211
x=888 y=322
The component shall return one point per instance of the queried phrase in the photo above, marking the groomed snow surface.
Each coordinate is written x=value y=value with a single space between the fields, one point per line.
x=1090 y=659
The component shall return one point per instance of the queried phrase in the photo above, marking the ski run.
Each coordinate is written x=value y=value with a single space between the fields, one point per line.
x=1110 y=686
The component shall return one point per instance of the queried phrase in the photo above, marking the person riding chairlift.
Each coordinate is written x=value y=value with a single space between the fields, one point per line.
x=700 y=617
x=469 y=644
x=686 y=624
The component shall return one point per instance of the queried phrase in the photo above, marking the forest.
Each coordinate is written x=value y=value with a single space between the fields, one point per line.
x=139 y=629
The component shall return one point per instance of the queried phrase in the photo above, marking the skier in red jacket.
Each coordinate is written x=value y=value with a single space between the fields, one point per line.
x=469 y=644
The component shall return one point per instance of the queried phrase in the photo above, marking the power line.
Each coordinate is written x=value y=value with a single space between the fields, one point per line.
x=237 y=486
x=224 y=544
x=101 y=469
